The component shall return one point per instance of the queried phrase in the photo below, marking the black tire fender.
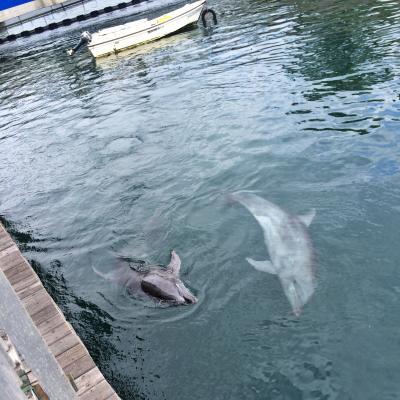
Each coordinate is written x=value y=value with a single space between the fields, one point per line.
x=204 y=14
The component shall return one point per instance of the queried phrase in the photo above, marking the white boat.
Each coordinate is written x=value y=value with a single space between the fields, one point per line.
x=122 y=37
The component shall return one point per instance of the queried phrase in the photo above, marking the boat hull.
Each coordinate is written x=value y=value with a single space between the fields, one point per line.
x=114 y=40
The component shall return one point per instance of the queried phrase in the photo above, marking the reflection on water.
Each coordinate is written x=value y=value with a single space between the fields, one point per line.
x=298 y=100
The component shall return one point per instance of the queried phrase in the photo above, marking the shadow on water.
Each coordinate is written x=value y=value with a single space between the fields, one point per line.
x=92 y=324
x=26 y=241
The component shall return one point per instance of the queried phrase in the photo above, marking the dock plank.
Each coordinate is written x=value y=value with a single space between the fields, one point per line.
x=71 y=355
x=30 y=290
x=56 y=333
x=64 y=344
x=22 y=285
x=88 y=380
x=5 y=240
x=50 y=323
x=14 y=269
x=36 y=299
x=10 y=257
x=44 y=314
x=5 y=244
x=3 y=233
x=24 y=274
x=37 y=302
x=80 y=366
x=99 y=392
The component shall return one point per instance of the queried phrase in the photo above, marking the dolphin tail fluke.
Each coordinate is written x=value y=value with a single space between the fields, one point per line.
x=263 y=266
x=308 y=218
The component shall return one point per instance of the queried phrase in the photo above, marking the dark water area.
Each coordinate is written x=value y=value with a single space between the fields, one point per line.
x=134 y=155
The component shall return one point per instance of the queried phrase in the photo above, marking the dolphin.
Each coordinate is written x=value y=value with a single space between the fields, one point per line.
x=161 y=283
x=289 y=247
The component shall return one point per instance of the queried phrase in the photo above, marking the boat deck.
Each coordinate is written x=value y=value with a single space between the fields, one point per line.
x=58 y=335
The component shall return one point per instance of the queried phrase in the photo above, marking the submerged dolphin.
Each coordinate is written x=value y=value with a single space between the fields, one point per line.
x=161 y=283
x=288 y=245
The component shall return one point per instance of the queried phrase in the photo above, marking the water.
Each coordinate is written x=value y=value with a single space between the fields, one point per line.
x=134 y=156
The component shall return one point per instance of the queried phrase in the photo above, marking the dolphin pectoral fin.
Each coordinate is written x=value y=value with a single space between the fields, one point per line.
x=308 y=218
x=264 y=266
x=174 y=265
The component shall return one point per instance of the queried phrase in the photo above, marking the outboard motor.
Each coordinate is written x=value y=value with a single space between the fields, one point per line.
x=86 y=38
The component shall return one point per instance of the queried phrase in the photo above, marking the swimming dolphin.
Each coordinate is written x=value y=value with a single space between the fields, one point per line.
x=288 y=245
x=157 y=282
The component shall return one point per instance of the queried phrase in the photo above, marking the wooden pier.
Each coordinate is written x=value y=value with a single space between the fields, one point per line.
x=58 y=335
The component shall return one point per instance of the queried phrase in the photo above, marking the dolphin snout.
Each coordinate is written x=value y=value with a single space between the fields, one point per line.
x=179 y=300
x=189 y=297
x=191 y=300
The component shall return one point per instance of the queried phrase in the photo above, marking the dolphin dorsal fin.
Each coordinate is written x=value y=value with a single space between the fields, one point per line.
x=174 y=265
x=306 y=219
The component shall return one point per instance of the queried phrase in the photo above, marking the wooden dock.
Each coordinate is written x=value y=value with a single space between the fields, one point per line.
x=58 y=335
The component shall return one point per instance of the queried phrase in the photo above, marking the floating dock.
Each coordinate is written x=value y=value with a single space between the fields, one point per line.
x=24 y=18
x=57 y=359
